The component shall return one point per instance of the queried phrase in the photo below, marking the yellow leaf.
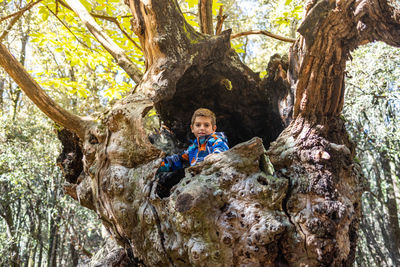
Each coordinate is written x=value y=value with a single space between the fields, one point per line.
x=87 y=5
x=192 y=3
x=215 y=8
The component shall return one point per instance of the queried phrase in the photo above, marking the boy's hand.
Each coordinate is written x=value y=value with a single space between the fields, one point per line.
x=164 y=167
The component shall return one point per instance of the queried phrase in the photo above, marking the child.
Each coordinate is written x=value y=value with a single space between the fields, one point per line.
x=203 y=126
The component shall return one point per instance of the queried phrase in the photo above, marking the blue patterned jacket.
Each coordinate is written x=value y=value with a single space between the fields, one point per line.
x=196 y=152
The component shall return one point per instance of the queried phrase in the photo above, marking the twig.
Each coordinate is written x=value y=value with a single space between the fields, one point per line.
x=108 y=18
x=106 y=41
x=27 y=7
x=366 y=93
x=221 y=18
x=66 y=26
x=92 y=13
x=12 y=22
x=127 y=35
x=267 y=33
x=115 y=21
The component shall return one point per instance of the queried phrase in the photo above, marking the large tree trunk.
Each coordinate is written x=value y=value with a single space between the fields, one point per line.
x=235 y=208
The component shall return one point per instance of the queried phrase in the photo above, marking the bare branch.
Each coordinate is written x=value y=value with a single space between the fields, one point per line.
x=221 y=19
x=267 y=33
x=20 y=12
x=118 y=53
x=33 y=90
x=205 y=15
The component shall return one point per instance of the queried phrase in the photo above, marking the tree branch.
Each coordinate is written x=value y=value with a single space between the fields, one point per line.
x=33 y=90
x=126 y=34
x=267 y=33
x=108 y=18
x=66 y=26
x=377 y=20
x=115 y=21
x=319 y=81
x=205 y=15
x=20 y=12
x=154 y=40
x=16 y=17
x=10 y=25
x=118 y=53
x=221 y=19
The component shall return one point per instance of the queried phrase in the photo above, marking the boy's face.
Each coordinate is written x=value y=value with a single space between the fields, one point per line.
x=202 y=126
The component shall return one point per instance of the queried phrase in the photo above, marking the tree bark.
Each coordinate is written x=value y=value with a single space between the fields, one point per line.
x=314 y=152
x=392 y=211
x=39 y=235
x=53 y=231
x=30 y=252
x=376 y=253
x=234 y=208
x=74 y=255
x=6 y=213
x=205 y=16
x=2 y=82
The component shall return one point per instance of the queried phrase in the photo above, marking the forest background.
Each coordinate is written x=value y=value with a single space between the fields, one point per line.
x=40 y=226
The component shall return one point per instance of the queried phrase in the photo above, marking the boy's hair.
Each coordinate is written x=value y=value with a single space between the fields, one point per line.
x=204 y=112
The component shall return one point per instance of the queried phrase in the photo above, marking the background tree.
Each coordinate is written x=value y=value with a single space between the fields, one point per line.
x=372 y=114
x=305 y=208
x=40 y=225
x=43 y=227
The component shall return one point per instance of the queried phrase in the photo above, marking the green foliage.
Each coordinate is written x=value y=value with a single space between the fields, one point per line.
x=372 y=112
x=192 y=3
x=373 y=96
x=238 y=46
x=78 y=56
x=77 y=72
x=281 y=17
x=31 y=186
x=190 y=12
x=215 y=8
x=290 y=14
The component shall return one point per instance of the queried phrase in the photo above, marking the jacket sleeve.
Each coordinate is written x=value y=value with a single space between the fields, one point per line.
x=219 y=146
x=174 y=162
